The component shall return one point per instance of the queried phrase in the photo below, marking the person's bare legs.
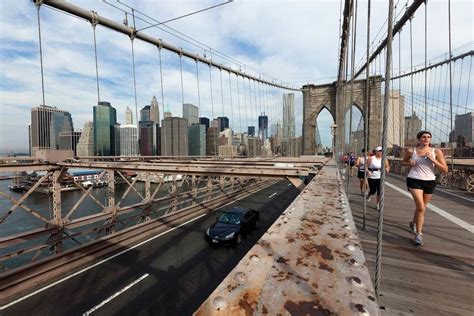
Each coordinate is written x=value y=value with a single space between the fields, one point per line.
x=420 y=207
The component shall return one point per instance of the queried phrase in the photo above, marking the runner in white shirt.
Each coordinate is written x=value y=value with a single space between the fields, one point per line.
x=421 y=179
x=360 y=164
x=374 y=166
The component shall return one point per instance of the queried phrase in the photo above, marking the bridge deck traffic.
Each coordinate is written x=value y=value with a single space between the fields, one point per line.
x=430 y=280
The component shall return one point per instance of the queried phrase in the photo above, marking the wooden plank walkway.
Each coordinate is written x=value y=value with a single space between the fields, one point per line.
x=435 y=279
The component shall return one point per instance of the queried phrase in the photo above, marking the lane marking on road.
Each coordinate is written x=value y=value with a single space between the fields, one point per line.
x=90 y=311
x=270 y=196
x=109 y=258
x=437 y=210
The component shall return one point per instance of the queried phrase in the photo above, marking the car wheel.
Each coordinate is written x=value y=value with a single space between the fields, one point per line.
x=238 y=239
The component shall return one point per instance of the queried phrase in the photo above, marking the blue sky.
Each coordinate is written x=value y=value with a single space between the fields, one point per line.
x=288 y=41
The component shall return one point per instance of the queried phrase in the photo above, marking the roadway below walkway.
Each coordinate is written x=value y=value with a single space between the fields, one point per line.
x=168 y=275
x=435 y=279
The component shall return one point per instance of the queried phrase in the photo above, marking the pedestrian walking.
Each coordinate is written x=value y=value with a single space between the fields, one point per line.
x=352 y=161
x=360 y=164
x=374 y=167
x=421 y=178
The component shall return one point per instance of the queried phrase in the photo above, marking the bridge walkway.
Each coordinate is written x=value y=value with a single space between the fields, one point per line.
x=435 y=279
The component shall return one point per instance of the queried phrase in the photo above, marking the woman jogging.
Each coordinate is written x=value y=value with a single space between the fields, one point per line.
x=374 y=166
x=360 y=164
x=421 y=179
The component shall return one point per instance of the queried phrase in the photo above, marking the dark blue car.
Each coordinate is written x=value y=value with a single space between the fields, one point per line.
x=232 y=225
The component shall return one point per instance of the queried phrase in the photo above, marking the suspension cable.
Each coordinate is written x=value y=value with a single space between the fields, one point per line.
x=162 y=99
x=38 y=6
x=245 y=104
x=231 y=105
x=134 y=78
x=181 y=75
x=411 y=64
x=450 y=86
x=94 y=24
x=388 y=68
x=199 y=93
x=212 y=111
x=366 y=114
x=238 y=103
x=426 y=58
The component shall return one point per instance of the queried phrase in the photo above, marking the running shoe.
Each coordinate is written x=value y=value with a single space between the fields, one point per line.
x=418 y=241
x=368 y=198
x=413 y=227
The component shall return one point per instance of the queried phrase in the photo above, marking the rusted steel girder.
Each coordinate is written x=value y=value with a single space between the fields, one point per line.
x=208 y=170
x=310 y=262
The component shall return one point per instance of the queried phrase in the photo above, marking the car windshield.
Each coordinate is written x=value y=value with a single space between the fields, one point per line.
x=230 y=218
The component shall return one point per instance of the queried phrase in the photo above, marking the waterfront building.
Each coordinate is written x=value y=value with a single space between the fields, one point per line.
x=211 y=141
x=174 y=136
x=69 y=141
x=288 y=115
x=263 y=127
x=105 y=118
x=191 y=113
x=154 y=111
x=85 y=146
x=46 y=124
x=128 y=116
x=197 y=140
x=128 y=140
x=148 y=135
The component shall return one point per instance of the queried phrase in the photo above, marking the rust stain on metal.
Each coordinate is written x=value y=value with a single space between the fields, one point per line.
x=264 y=310
x=247 y=304
x=332 y=235
x=290 y=240
x=306 y=308
x=325 y=252
x=324 y=266
x=282 y=260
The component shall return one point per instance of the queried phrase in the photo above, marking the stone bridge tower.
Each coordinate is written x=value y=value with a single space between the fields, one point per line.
x=316 y=98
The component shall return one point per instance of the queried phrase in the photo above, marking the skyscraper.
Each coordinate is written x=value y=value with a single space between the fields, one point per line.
x=145 y=113
x=288 y=115
x=464 y=129
x=69 y=141
x=223 y=123
x=128 y=116
x=251 y=130
x=174 y=136
x=263 y=127
x=148 y=138
x=197 y=140
x=211 y=141
x=167 y=112
x=191 y=113
x=105 y=118
x=128 y=140
x=154 y=111
x=205 y=121
x=396 y=121
x=46 y=124
x=413 y=126
x=85 y=146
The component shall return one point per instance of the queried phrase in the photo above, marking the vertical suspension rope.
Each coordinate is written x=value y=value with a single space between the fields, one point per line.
x=238 y=103
x=468 y=82
x=162 y=97
x=212 y=109
x=401 y=110
x=222 y=97
x=411 y=66
x=354 y=37
x=388 y=68
x=132 y=36
x=94 y=24
x=450 y=87
x=426 y=59
x=38 y=6
x=199 y=93
x=181 y=74
x=245 y=104
x=231 y=105
x=367 y=107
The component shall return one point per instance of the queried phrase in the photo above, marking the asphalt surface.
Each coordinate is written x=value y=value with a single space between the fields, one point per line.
x=170 y=275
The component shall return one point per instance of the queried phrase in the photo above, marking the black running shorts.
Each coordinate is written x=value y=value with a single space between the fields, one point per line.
x=360 y=174
x=428 y=186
